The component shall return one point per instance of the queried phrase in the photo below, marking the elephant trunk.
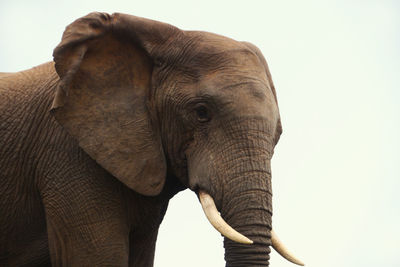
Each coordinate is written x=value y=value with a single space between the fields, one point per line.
x=249 y=212
x=240 y=183
x=246 y=199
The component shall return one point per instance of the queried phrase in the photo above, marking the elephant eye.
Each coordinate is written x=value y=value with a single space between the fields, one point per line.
x=202 y=113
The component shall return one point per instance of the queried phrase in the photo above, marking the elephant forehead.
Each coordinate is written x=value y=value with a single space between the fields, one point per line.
x=243 y=95
x=211 y=42
x=203 y=52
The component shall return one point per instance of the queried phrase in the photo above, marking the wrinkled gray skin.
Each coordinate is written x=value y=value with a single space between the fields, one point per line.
x=133 y=111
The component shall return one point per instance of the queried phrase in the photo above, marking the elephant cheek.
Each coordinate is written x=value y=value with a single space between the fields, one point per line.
x=200 y=175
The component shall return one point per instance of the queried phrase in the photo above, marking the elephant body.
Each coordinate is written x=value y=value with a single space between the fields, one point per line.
x=132 y=111
x=50 y=186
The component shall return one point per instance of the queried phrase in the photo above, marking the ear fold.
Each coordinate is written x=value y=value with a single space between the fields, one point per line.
x=103 y=98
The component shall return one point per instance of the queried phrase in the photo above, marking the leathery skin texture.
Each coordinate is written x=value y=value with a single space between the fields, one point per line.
x=132 y=111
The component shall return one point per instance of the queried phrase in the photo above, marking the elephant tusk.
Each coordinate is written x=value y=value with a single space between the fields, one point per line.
x=226 y=230
x=213 y=216
x=282 y=250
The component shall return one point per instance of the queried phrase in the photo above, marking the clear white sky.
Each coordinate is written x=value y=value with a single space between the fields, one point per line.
x=336 y=67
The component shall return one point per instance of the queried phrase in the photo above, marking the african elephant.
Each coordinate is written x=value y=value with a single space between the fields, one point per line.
x=132 y=111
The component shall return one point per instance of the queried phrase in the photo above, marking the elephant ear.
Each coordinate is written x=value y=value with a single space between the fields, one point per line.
x=103 y=98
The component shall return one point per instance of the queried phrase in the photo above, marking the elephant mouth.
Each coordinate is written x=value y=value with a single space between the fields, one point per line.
x=214 y=217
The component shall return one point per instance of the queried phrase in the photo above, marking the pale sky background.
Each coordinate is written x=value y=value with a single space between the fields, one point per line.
x=336 y=68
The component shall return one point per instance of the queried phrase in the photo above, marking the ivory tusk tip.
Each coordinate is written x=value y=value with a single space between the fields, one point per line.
x=282 y=250
x=241 y=239
x=248 y=242
x=298 y=262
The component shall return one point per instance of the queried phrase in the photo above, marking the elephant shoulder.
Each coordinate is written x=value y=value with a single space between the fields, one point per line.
x=25 y=98
x=31 y=78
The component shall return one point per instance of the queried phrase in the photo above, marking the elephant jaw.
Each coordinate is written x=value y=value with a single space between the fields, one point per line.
x=226 y=230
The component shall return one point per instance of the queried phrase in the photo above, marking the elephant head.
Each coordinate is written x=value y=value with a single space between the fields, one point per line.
x=149 y=101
